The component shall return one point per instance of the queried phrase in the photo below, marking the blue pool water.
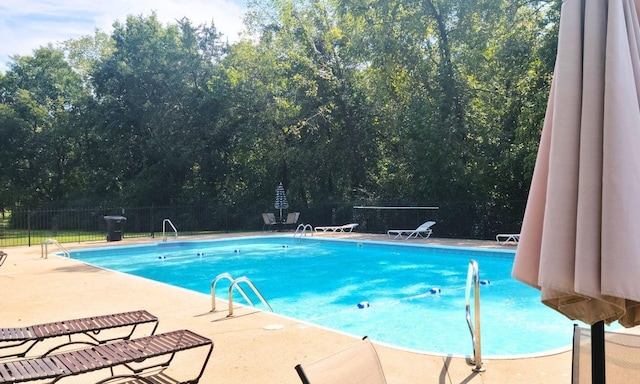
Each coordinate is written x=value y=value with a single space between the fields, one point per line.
x=415 y=294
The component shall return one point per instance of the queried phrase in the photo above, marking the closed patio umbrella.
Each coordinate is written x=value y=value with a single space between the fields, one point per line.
x=578 y=241
x=281 y=200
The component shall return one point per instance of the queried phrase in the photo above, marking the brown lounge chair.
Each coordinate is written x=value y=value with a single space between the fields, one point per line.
x=19 y=341
x=356 y=364
x=3 y=257
x=123 y=353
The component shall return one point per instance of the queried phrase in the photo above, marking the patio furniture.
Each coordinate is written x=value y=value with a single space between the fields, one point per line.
x=337 y=228
x=269 y=220
x=130 y=354
x=19 y=341
x=292 y=219
x=505 y=238
x=622 y=353
x=423 y=231
x=356 y=364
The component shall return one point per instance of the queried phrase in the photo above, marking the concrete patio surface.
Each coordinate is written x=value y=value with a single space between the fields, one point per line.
x=251 y=346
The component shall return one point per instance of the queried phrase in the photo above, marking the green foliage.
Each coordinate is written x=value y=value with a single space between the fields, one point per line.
x=153 y=92
x=39 y=97
x=364 y=100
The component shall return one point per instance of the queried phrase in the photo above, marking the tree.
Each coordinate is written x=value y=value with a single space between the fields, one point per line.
x=151 y=92
x=39 y=99
x=420 y=101
x=318 y=109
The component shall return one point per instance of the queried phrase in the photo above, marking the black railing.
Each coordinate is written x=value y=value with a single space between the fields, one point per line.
x=470 y=220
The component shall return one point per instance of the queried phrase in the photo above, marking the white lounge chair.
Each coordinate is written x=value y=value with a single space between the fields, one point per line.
x=423 y=231
x=505 y=238
x=337 y=228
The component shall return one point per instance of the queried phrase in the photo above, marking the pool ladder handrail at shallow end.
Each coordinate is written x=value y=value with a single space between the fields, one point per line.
x=44 y=248
x=473 y=279
x=234 y=283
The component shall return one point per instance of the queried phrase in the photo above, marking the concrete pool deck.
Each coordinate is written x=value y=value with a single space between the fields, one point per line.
x=251 y=346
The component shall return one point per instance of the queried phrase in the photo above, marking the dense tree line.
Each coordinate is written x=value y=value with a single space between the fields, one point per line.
x=359 y=100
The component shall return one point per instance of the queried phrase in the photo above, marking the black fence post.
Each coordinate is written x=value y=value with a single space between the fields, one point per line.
x=153 y=232
x=29 y=226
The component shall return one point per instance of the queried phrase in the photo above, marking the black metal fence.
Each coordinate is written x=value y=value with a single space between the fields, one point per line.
x=471 y=220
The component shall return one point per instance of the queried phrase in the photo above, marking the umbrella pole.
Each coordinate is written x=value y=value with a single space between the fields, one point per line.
x=597 y=353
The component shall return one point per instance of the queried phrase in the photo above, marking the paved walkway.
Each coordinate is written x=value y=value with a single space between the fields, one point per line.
x=252 y=346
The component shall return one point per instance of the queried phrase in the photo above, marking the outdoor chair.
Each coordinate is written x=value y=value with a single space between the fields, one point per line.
x=423 y=231
x=505 y=238
x=3 y=257
x=292 y=219
x=337 y=228
x=138 y=356
x=269 y=220
x=17 y=342
x=358 y=364
x=622 y=357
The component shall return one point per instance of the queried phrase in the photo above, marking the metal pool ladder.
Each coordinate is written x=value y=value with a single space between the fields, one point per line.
x=473 y=278
x=44 y=248
x=302 y=230
x=235 y=284
x=164 y=227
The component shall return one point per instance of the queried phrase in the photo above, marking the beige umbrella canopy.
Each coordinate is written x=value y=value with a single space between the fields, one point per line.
x=579 y=242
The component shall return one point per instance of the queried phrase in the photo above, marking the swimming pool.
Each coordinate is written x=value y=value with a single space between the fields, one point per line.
x=411 y=296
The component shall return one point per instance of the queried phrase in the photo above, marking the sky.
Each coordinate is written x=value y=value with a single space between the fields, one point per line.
x=26 y=25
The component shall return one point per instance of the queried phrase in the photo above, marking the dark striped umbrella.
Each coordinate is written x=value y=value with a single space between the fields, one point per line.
x=281 y=200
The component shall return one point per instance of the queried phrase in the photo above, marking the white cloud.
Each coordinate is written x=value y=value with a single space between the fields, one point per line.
x=28 y=25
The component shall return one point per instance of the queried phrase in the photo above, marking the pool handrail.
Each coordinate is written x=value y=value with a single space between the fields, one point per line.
x=244 y=279
x=234 y=283
x=164 y=227
x=226 y=276
x=473 y=278
x=44 y=248
x=304 y=228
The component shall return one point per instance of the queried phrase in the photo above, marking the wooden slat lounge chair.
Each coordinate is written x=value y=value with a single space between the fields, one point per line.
x=337 y=228
x=3 y=257
x=124 y=353
x=19 y=341
x=356 y=364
